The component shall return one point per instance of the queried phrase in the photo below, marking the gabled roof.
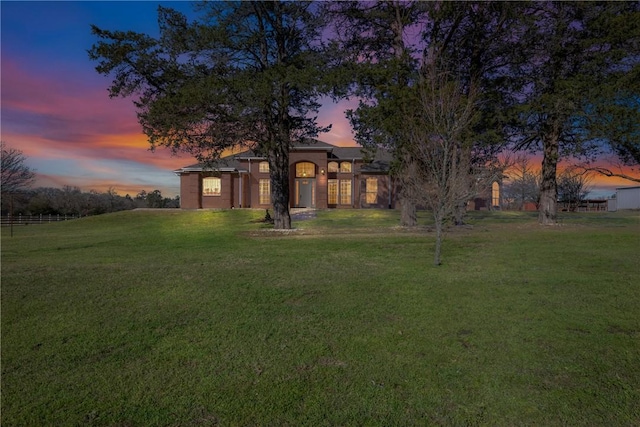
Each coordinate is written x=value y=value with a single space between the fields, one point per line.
x=232 y=163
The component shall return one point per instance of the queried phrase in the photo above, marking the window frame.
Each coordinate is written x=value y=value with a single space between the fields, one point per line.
x=305 y=170
x=371 y=196
x=264 y=197
x=212 y=179
x=345 y=197
x=345 y=167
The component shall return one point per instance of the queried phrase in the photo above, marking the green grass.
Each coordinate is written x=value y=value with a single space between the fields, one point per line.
x=154 y=318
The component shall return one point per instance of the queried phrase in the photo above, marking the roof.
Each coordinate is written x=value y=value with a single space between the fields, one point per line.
x=232 y=163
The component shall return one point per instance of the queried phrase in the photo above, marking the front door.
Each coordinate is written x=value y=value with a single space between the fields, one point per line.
x=305 y=193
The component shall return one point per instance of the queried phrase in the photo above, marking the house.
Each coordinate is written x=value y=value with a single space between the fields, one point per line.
x=321 y=176
x=625 y=198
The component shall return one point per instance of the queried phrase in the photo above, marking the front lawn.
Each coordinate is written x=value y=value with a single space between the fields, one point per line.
x=156 y=318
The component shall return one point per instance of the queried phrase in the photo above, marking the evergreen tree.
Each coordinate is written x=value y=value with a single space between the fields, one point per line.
x=244 y=73
x=580 y=86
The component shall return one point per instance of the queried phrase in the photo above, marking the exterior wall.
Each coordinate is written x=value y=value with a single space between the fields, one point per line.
x=628 y=198
x=242 y=189
x=190 y=191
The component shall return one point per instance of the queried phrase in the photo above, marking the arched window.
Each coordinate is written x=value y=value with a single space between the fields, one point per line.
x=333 y=167
x=345 y=167
x=211 y=186
x=264 y=167
x=305 y=170
x=495 y=194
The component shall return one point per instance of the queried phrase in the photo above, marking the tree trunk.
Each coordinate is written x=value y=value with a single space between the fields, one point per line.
x=408 y=215
x=459 y=213
x=437 y=257
x=548 y=207
x=279 y=168
x=408 y=209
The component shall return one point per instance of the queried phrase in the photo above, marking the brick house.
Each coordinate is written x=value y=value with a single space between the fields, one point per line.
x=321 y=176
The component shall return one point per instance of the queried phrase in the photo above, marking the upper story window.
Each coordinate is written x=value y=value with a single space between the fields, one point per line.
x=305 y=170
x=264 y=167
x=345 y=167
x=211 y=186
x=332 y=167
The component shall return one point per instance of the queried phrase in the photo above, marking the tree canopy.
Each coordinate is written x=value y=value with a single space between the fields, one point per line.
x=579 y=85
x=244 y=73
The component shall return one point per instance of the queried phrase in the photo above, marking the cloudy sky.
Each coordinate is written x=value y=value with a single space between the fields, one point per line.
x=56 y=109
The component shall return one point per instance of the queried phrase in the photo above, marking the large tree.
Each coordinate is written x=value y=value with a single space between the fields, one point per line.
x=374 y=39
x=580 y=85
x=388 y=42
x=243 y=73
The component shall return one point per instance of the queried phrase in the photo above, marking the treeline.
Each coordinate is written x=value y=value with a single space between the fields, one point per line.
x=72 y=201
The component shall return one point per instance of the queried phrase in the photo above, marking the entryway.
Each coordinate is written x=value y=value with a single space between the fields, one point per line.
x=305 y=196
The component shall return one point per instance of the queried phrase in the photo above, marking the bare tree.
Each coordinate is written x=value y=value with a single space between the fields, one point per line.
x=16 y=175
x=573 y=188
x=440 y=143
x=523 y=184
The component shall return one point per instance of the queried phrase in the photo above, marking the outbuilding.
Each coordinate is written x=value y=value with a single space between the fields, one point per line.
x=625 y=198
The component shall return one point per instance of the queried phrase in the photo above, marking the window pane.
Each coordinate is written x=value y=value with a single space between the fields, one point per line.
x=333 y=167
x=345 y=167
x=332 y=188
x=345 y=191
x=305 y=170
x=372 y=190
x=211 y=186
x=265 y=191
x=495 y=194
x=264 y=167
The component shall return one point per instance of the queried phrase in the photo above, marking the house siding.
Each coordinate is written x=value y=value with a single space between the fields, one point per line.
x=240 y=182
x=190 y=191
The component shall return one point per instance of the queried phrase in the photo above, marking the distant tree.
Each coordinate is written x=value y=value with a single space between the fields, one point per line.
x=573 y=188
x=522 y=184
x=155 y=199
x=245 y=72
x=16 y=176
x=580 y=86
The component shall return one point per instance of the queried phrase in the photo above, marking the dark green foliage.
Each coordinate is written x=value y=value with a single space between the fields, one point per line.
x=579 y=82
x=244 y=73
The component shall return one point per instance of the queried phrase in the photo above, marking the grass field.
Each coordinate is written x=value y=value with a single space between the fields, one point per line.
x=172 y=318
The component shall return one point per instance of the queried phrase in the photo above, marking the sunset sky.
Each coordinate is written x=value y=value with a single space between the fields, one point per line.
x=56 y=109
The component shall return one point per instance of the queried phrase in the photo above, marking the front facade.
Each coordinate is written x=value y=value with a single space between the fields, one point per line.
x=321 y=176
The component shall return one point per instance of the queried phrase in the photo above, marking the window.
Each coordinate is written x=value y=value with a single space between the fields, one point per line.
x=305 y=170
x=264 y=188
x=333 y=167
x=345 y=167
x=264 y=167
x=495 y=194
x=345 y=191
x=372 y=190
x=211 y=186
x=332 y=189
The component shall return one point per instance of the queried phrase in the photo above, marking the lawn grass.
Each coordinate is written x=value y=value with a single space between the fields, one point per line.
x=154 y=318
